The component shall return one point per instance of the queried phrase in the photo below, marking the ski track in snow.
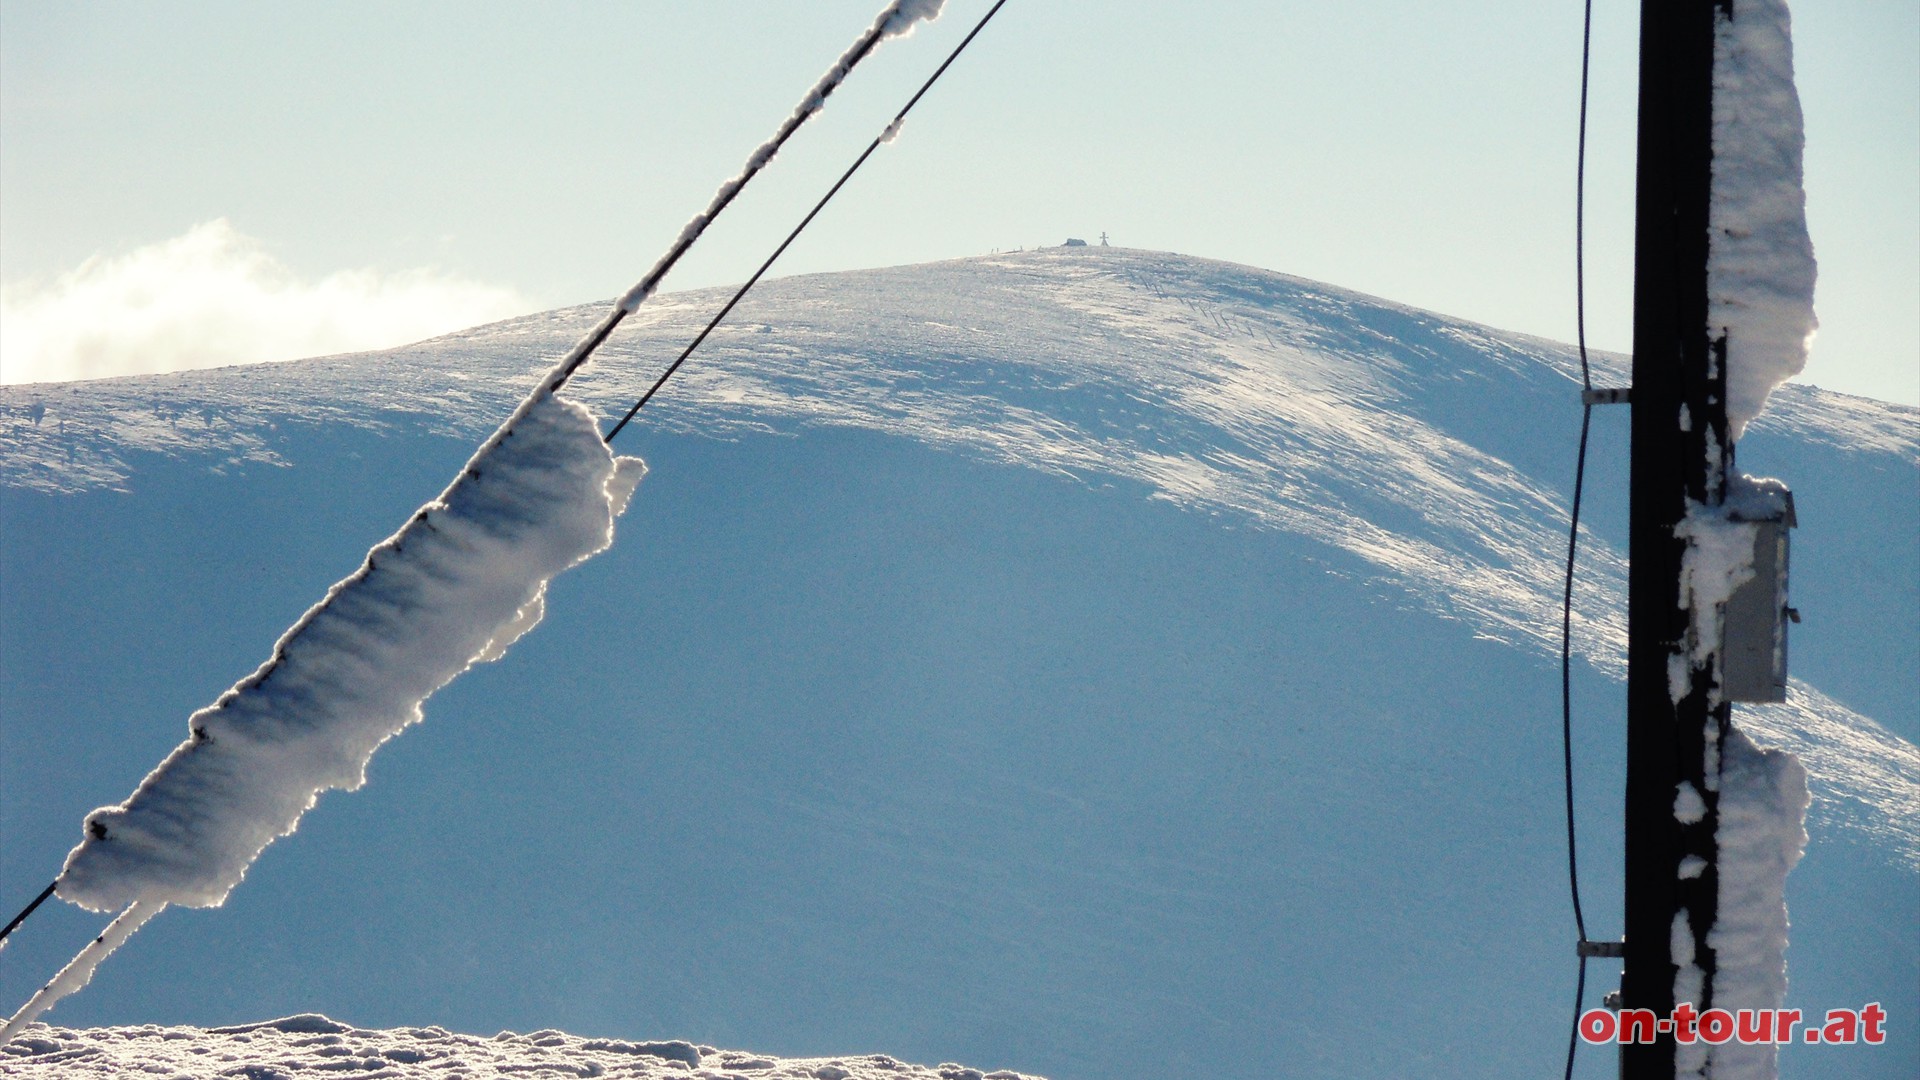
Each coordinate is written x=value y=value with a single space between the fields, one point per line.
x=310 y=1043
x=1224 y=389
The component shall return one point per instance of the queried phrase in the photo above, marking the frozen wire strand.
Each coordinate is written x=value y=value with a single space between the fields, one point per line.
x=29 y=909
x=1573 y=528
x=79 y=971
x=765 y=153
x=890 y=129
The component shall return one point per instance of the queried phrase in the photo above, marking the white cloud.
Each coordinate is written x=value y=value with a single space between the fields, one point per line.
x=215 y=297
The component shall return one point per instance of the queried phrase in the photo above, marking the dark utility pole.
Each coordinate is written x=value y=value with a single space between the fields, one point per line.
x=1679 y=452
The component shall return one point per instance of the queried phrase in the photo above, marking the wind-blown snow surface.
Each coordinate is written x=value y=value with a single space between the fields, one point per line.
x=310 y=1043
x=1066 y=659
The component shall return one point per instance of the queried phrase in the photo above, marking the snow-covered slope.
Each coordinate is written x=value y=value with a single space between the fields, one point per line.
x=1069 y=659
x=312 y=1043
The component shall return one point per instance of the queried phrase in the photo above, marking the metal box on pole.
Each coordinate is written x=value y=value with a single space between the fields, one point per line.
x=1754 y=661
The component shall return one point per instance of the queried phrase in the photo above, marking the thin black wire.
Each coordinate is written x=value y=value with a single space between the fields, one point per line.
x=578 y=357
x=1573 y=529
x=892 y=127
x=1566 y=666
x=1579 y=999
x=1566 y=723
x=29 y=909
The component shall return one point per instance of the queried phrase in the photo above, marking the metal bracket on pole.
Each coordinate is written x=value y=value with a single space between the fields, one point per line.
x=1601 y=948
x=1616 y=395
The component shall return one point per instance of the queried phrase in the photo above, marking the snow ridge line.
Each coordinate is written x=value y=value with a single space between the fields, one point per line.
x=310 y=1044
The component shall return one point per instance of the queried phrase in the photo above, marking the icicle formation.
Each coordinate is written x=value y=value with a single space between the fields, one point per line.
x=463 y=579
x=1760 y=270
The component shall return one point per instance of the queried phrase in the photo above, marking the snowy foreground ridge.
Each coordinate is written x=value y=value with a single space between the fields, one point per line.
x=312 y=1043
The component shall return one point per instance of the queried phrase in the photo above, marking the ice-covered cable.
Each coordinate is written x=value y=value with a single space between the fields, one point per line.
x=454 y=586
x=463 y=578
x=79 y=971
x=460 y=581
x=896 y=19
x=891 y=132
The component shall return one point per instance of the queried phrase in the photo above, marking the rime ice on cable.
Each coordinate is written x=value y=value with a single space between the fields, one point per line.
x=459 y=583
x=465 y=577
x=896 y=20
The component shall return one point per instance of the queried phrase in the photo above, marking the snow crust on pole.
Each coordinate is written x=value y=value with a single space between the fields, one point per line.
x=463 y=579
x=1760 y=266
x=1762 y=800
x=1760 y=282
x=1762 y=833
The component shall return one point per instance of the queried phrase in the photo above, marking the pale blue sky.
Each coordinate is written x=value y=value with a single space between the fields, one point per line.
x=1422 y=152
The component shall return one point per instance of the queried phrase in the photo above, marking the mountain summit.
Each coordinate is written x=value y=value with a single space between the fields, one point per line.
x=1096 y=660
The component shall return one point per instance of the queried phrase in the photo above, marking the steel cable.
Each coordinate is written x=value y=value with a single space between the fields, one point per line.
x=885 y=135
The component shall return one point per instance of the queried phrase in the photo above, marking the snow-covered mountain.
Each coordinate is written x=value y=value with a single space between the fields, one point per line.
x=1096 y=661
